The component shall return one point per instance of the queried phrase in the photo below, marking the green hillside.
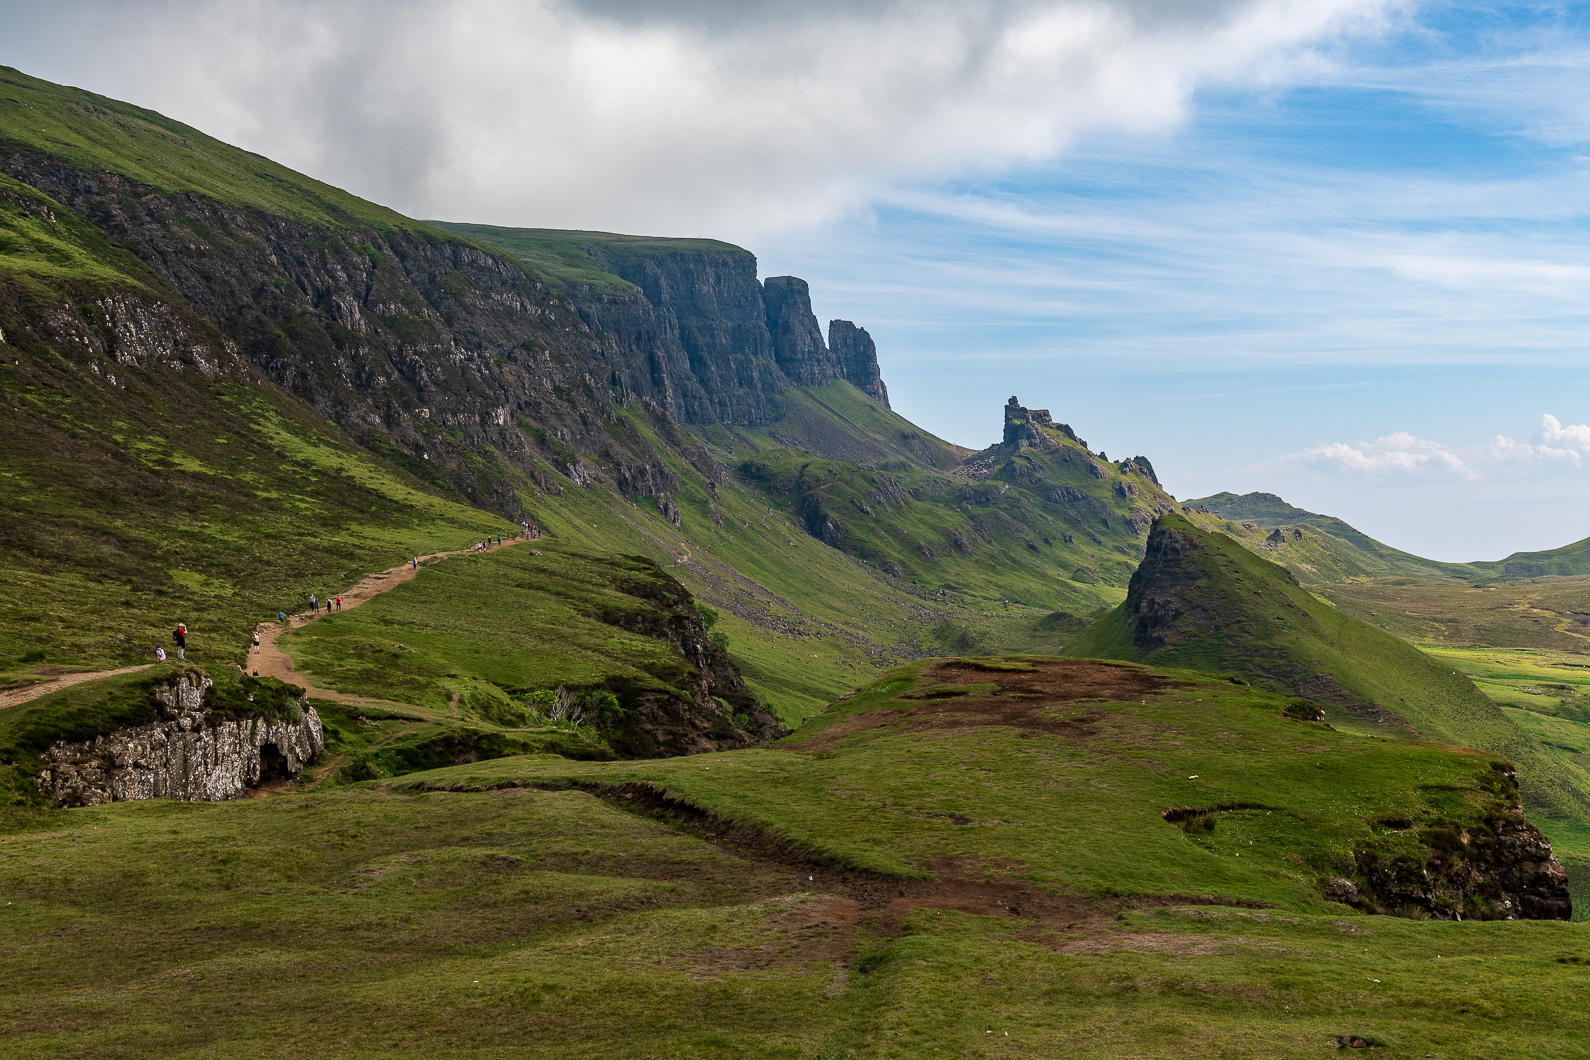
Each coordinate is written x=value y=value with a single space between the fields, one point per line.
x=1203 y=602
x=1568 y=560
x=142 y=498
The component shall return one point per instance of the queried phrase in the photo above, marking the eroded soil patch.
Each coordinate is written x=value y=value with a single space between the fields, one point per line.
x=1020 y=698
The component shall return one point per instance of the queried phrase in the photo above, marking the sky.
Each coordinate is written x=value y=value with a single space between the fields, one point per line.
x=1329 y=249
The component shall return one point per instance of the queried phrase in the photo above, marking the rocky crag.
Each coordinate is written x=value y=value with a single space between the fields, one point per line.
x=712 y=709
x=1496 y=867
x=195 y=752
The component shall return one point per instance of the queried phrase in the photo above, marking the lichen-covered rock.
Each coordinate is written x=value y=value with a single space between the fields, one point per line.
x=192 y=753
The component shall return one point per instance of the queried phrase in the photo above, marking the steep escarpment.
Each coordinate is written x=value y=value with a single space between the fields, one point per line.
x=197 y=748
x=857 y=355
x=714 y=345
x=428 y=350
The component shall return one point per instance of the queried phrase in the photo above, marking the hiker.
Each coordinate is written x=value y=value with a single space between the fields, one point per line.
x=339 y=603
x=160 y=654
x=281 y=618
x=314 y=605
x=256 y=640
x=180 y=635
x=416 y=563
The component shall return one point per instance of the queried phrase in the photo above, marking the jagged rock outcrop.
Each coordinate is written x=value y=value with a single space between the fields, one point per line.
x=717 y=712
x=1497 y=868
x=797 y=341
x=194 y=753
x=1139 y=465
x=857 y=355
x=1024 y=426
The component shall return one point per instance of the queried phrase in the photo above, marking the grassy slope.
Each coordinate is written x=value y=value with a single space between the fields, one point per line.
x=360 y=924
x=1262 y=622
x=372 y=922
x=228 y=503
x=569 y=258
x=877 y=781
x=98 y=134
x=499 y=625
x=1568 y=560
x=805 y=621
x=1550 y=614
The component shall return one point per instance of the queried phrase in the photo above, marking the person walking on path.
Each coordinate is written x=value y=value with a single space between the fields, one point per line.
x=180 y=635
x=339 y=603
x=281 y=618
x=314 y=605
x=256 y=642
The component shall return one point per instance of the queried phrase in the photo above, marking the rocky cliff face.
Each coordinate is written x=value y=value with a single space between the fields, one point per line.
x=858 y=358
x=708 y=355
x=797 y=342
x=193 y=753
x=433 y=352
x=1023 y=427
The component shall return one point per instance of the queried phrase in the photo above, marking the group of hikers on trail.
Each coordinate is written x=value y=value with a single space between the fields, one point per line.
x=180 y=634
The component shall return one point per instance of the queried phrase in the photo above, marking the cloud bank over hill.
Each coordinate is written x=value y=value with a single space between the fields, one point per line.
x=688 y=117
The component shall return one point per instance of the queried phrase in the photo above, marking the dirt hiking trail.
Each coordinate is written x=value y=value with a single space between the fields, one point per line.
x=270 y=660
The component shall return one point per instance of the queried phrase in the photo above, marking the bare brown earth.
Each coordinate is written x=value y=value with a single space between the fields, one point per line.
x=1019 y=694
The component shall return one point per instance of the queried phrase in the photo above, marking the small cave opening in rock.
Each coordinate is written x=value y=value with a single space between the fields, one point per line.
x=272 y=764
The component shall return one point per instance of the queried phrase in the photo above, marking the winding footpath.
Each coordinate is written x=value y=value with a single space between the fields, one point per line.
x=271 y=660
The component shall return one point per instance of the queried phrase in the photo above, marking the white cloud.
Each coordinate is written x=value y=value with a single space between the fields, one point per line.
x=1400 y=456
x=1396 y=454
x=684 y=117
x=1553 y=443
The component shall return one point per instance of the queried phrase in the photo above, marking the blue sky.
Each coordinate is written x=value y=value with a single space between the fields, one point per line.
x=1396 y=246
x=1330 y=249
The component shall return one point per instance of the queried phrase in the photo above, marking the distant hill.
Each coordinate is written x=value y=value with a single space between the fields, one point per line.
x=1558 y=562
x=1201 y=601
x=1315 y=548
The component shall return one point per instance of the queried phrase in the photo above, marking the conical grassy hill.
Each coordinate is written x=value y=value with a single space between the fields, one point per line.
x=1203 y=602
